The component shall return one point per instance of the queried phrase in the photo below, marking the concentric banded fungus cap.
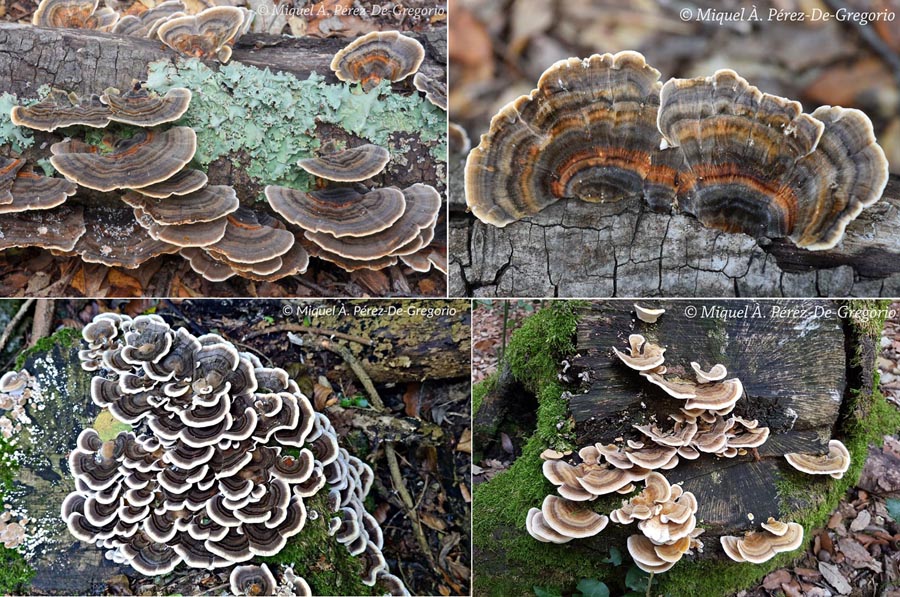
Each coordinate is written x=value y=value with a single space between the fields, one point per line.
x=423 y=204
x=346 y=264
x=587 y=132
x=646 y=314
x=642 y=355
x=571 y=520
x=252 y=580
x=435 y=90
x=349 y=165
x=458 y=138
x=759 y=547
x=717 y=373
x=184 y=182
x=203 y=35
x=377 y=56
x=538 y=528
x=59 y=228
x=142 y=108
x=205 y=265
x=33 y=191
x=198 y=234
x=113 y=237
x=209 y=203
x=145 y=159
x=643 y=552
x=247 y=240
x=9 y=167
x=61 y=109
x=140 y=26
x=834 y=463
x=758 y=165
x=74 y=14
x=340 y=211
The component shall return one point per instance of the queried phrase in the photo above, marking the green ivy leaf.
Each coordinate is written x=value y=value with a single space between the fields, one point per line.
x=542 y=592
x=637 y=579
x=591 y=587
x=615 y=557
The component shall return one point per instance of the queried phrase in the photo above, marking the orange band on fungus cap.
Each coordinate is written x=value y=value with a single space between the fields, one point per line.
x=203 y=35
x=9 y=167
x=349 y=165
x=248 y=240
x=74 y=14
x=340 y=211
x=145 y=159
x=142 y=108
x=33 y=191
x=61 y=109
x=377 y=56
x=587 y=132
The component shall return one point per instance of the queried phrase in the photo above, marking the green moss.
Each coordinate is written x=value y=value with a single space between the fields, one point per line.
x=65 y=338
x=15 y=573
x=17 y=137
x=541 y=342
x=480 y=389
x=325 y=564
x=270 y=119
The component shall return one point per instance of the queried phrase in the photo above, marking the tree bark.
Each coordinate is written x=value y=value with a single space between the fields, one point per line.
x=578 y=249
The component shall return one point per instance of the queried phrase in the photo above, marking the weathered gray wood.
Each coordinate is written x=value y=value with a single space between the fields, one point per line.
x=580 y=249
x=793 y=367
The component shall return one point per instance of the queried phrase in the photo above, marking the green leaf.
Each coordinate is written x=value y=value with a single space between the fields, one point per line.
x=542 y=592
x=893 y=508
x=591 y=587
x=637 y=579
x=615 y=557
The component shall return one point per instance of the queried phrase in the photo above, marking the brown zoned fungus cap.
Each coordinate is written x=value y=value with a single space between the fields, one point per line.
x=423 y=204
x=570 y=519
x=145 y=159
x=181 y=183
x=758 y=165
x=198 y=234
x=646 y=314
x=346 y=264
x=717 y=373
x=248 y=240
x=252 y=580
x=142 y=108
x=61 y=109
x=209 y=203
x=74 y=14
x=203 y=35
x=834 y=463
x=757 y=547
x=642 y=355
x=587 y=132
x=113 y=237
x=435 y=90
x=33 y=191
x=458 y=139
x=9 y=167
x=143 y=24
x=376 y=56
x=349 y=165
x=205 y=265
x=340 y=211
x=58 y=228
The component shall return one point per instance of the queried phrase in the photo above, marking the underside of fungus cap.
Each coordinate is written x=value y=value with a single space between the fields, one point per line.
x=61 y=109
x=140 y=107
x=377 y=56
x=181 y=183
x=247 y=240
x=834 y=463
x=74 y=14
x=33 y=191
x=423 y=204
x=145 y=159
x=209 y=203
x=113 y=237
x=647 y=314
x=340 y=211
x=591 y=127
x=435 y=90
x=59 y=228
x=203 y=35
x=349 y=165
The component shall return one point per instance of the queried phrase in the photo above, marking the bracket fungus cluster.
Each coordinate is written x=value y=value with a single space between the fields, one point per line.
x=605 y=128
x=223 y=456
x=378 y=56
x=208 y=34
x=701 y=424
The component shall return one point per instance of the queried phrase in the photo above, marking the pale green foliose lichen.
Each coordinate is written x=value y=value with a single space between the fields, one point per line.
x=271 y=117
x=17 y=137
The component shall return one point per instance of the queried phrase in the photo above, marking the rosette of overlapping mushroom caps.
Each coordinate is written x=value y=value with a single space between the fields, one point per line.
x=605 y=129
x=378 y=56
x=224 y=454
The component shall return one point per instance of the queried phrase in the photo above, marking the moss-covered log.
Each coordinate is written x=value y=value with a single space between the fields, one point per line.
x=807 y=369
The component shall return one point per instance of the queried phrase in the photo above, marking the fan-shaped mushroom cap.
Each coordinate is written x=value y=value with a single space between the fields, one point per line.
x=435 y=90
x=771 y=170
x=601 y=481
x=292 y=263
x=252 y=580
x=33 y=191
x=147 y=158
x=730 y=547
x=717 y=373
x=653 y=457
x=458 y=139
x=340 y=211
x=205 y=265
x=8 y=169
x=183 y=182
x=759 y=547
x=61 y=109
x=247 y=240
x=59 y=228
x=349 y=165
x=643 y=355
x=644 y=554
x=198 y=234
x=423 y=204
x=589 y=130
x=834 y=463
x=646 y=314
x=74 y=14
x=142 y=25
x=538 y=528
x=209 y=203
x=203 y=35
x=571 y=520
x=346 y=264
x=377 y=56
x=141 y=108
x=776 y=527
x=113 y=237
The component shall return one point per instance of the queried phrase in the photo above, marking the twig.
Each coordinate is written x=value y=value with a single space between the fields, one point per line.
x=43 y=320
x=14 y=322
x=305 y=329
x=389 y=453
x=649 y=585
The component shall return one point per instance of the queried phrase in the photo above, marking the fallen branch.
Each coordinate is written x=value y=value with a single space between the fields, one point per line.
x=14 y=323
x=305 y=329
